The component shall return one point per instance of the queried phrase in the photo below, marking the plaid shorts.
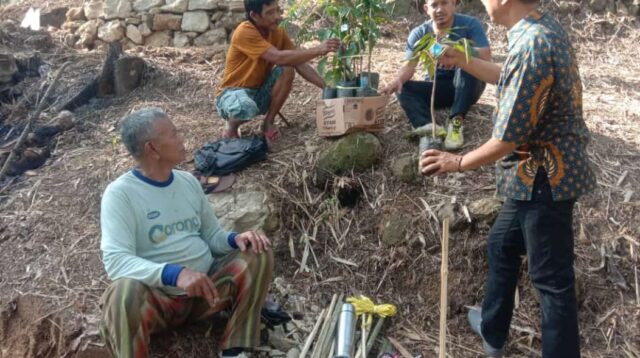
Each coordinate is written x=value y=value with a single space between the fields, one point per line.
x=246 y=103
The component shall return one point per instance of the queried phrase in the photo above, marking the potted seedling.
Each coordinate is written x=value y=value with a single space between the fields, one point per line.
x=427 y=51
x=375 y=13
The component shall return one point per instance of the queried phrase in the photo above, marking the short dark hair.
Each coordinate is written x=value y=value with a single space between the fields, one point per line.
x=255 y=6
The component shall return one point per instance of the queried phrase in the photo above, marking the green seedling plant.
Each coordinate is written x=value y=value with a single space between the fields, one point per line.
x=355 y=22
x=426 y=53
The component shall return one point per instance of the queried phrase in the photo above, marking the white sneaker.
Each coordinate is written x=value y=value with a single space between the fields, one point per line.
x=455 y=136
x=425 y=130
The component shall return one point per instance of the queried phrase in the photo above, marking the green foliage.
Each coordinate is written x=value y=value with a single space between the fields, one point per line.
x=424 y=50
x=356 y=23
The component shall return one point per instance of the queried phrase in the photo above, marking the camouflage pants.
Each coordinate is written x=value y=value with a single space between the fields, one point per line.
x=133 y=311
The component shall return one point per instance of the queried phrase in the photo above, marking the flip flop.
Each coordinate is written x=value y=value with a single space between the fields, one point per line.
x=216 y=184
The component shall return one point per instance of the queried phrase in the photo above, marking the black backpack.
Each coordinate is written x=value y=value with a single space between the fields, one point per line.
x=230 y=155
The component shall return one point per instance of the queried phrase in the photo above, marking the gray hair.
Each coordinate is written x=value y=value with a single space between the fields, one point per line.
x=137 y=128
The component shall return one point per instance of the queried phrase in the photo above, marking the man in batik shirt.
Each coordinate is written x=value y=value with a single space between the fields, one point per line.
x=540 y=136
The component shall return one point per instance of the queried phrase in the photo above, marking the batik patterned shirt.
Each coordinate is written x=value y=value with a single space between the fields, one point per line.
x=540 y=111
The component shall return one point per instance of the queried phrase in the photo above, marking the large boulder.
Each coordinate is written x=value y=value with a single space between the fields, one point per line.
x=195 y=21
x=242 y=211
x=176 y=6
x=117 y=9
x=94 y=9
x=211 y=37
x=111 y=31
x=145 y=5
x=405 y=168
x=158 y=39
x=355 y=152
x=163 y=22
x=8 y=67
x=203 y=4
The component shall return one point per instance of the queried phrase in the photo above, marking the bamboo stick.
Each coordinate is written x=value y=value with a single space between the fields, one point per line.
x=330 y=335
x=444 y=271
x=374 y=335
x=325 y=327
x=433 y=101
x=307 y=343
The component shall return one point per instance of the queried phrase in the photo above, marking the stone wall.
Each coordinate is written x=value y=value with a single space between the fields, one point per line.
x=153 y=23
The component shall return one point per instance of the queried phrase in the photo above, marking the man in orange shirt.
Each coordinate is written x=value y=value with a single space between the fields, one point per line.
x=259 y=69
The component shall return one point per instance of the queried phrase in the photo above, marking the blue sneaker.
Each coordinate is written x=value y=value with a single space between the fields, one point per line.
x=475 y=320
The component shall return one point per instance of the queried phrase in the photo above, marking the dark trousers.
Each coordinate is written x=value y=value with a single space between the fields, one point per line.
x=459 y=92
x=542 y=230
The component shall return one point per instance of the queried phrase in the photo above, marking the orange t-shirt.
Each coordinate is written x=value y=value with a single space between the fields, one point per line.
x=243 y=66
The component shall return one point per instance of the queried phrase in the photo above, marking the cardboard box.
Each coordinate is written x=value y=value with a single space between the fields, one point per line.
x=340 y=116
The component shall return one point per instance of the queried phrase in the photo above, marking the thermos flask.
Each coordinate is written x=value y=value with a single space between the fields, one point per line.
x=345 y=337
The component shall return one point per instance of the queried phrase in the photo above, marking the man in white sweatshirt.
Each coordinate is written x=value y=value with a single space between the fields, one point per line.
x=169 y=259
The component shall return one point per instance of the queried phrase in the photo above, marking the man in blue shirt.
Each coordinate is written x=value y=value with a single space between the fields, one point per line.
x=456 y=89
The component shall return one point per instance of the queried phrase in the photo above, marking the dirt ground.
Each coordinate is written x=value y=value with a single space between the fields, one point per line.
x=51 y=274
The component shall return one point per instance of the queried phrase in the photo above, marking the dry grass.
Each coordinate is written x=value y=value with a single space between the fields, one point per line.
x=49 y=224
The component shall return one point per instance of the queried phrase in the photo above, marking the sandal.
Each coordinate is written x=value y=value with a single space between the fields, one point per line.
x=216 y=184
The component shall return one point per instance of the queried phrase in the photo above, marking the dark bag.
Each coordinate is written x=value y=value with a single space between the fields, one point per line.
x=230 y=155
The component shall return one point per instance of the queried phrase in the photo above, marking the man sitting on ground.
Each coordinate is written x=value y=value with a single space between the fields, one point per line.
x=455 y=88
x=259 y=69
x=169 y=259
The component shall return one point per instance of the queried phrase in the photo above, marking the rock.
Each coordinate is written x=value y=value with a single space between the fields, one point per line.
x=405 y=168
x=158 y=39
x=403 y=8
x=163 y=22
x=8 y=67
x=485 y=209
x=355 y=152
x=94 y=9
x=203 y=4
x=242 y=211
x=65 y=120
x=132 y=21
x=211 y=37
x=128 y=74
x=276 y=353
x=191 y=35
x=75 y=14
x=54 y=17
x=128 y=44
x=144 y=29
x=111 y=31
x=598 y=5
x=231 y=20
x=134 y=34
x=70 y=40
x=176 y=6
x=394 y=229
x=235 y=5
x=293 y=353
x=196 y=21
x=217 y=16
x=87 y=33
x=181 y=39
x=622 y=9
x=117 y=9
x=72 y=26
x=568 y=7
x=145 y=5
x=279 y=341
